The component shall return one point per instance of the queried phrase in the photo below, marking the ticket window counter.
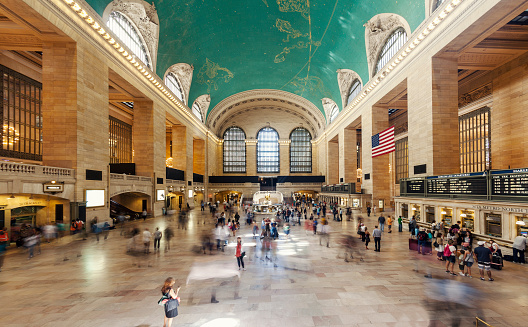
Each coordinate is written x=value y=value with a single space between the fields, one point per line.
x=405 y=210
x=467 y=219
x=493 y=224
x=429 y=214
x=522 y=225
x=415 y=211
x=447 y=215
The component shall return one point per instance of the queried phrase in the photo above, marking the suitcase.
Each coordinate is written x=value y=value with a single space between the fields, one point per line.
x=496 y=262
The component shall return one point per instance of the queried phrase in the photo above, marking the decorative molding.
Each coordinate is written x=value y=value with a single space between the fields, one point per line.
x=474 y=95
x=328 y=104
x=281 y=99
x=345 y=77
x=203 y=102
x=184 y=74
x=377 y=30
x=145 y=17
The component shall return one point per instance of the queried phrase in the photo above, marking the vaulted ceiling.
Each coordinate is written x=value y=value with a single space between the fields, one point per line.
x=290 y=45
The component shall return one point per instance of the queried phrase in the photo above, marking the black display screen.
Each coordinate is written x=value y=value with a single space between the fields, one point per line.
x=416 y=186
x=473 y=185
x=509 y=184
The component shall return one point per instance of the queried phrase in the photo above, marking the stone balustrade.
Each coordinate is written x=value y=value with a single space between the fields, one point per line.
x=13 y=168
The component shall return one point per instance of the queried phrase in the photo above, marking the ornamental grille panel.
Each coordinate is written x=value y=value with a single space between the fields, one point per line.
x=234 y=150
x=268 y=151
x=402 y=159
x=21 y=116
x=475 y=141
x=120 y=141
x=300 y=151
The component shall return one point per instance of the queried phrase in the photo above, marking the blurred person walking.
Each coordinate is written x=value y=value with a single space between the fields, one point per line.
x=389 y=223
x=168 y=236
x=157 y=239
x=483 y=256
x=376 y=233
x=146 y=240
x=367 y=238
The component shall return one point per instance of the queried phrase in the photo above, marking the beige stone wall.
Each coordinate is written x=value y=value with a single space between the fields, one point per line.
x=348 y=155
x=199 y=156
x=333 y=161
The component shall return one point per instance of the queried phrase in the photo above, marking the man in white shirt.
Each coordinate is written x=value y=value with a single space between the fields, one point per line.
x=376 y=233
x=519 y=248
x=146 y=240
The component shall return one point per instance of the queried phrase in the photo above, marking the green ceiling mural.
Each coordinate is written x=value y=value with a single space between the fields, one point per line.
x=291 y=45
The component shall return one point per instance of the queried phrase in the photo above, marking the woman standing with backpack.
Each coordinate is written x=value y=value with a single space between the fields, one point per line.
x=450 y=257
x=439 y=246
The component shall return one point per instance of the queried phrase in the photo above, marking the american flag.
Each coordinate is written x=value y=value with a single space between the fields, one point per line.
x=383 y=142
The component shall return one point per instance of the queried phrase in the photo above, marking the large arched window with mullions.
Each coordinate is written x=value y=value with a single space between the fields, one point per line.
x=174 y=85
x=437 y=3
x=300 y=151
x=196 y=111
x=354 y=91
x=334 y=112
x=268 y=151
x=394 y=43
x=234 y=150
x=127 y=33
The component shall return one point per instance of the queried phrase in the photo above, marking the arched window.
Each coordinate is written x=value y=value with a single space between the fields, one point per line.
x=174 y=85
x=268 y=151
x=197 y=112
x=300 y=151
x=128 y=34
x=234 y=150
x=354 y=91
x=391 y=47
x=334 y=112
x=437 y=4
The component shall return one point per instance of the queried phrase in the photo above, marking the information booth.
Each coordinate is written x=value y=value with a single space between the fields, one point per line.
x=447 y=215
x=429 y=214
x=467 y=218
x=493 y=224
x=415 y=208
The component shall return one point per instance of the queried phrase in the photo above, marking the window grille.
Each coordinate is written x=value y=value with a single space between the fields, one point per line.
x=475 y=141
x=391 y=47
x=268 y=151
x=334 y=112
x=120 y=141
x=402 y=159
x=125 y=30
x=174 y=85
x=354 y=91
x=437 y=4
x=300 y=151
x=197 y=112
x=21 y=116
x=234 y=150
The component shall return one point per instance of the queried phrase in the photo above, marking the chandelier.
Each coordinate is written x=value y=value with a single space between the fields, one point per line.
x=168 y=162
x=10 y=135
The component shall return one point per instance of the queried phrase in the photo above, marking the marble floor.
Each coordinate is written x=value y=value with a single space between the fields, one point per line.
x=304 y=284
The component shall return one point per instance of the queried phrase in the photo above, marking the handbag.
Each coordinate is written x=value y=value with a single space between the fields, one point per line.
x=243 y=254
x=435 y=244
x=171 y=304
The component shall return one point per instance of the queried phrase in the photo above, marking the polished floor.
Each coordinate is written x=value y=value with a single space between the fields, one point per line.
x=297 y=283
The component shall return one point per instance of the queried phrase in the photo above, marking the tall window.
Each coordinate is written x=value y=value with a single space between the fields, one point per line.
x=21 y=116
x=128 y=34
x=334 y=112
x=402 y=159
x=474 y=136
x=234 y=150
x=300 y=151
x=197 y=112
x=391 y=47
x=120 y=141
x=437 y=4
x=174 y=85
x=354 y=91
x=268 y=151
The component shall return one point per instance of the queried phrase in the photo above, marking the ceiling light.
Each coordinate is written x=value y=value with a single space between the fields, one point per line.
x=76 y=7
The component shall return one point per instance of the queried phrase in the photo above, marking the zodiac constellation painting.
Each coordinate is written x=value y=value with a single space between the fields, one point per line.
x=211 y=73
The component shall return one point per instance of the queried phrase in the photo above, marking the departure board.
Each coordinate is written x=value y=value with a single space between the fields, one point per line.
x=459 y=184
x=416 y=186
x=512 y=182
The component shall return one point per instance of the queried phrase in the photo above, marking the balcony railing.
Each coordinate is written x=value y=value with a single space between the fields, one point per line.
x=35 y=170
x=134 y=178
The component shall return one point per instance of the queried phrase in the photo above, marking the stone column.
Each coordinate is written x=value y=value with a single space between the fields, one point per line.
x=251 y=157
x=179 y=147
x=284 y=156
x=199 y=156
x=143 y=137
x=348 y=155
x=380 y=175
x=333 y=161
x=433 y=117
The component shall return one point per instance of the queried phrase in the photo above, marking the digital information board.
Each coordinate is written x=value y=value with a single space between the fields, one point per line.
x=458 y=184
x=416 y=186
x=512 y=182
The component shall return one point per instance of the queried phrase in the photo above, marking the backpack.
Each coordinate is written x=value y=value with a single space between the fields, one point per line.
x=447 y=251
x=421 y=236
